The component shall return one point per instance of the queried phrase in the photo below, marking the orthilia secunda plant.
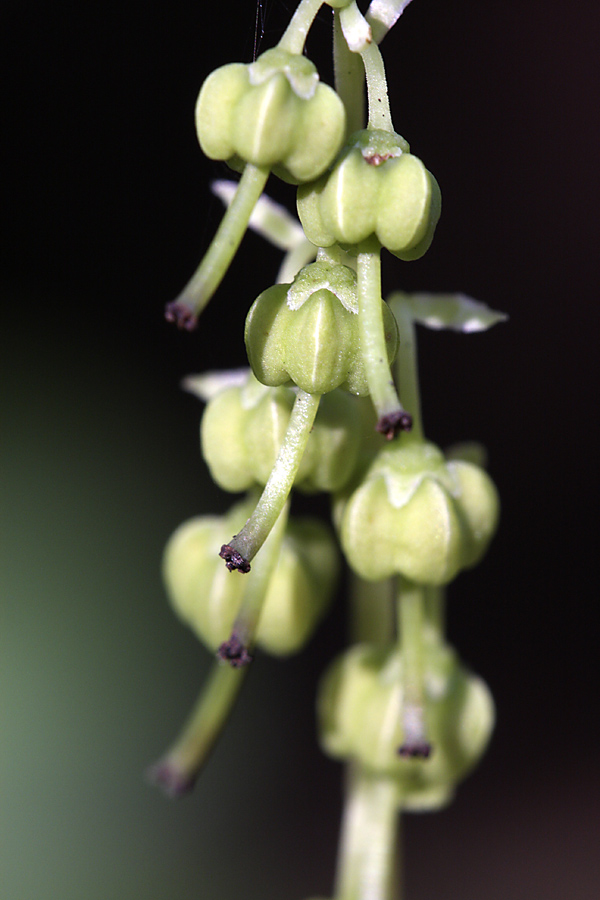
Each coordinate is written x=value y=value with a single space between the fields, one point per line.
x=330 y=404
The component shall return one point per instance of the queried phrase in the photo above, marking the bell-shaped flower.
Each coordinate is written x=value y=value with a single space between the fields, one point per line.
x=243 y=428
x=376 y=187
x=360 y=706
x=417 y=515
x=273 y=112
x=208 y=598
x=307 y=332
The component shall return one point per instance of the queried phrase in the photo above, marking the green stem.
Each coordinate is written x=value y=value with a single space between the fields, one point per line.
x=244 y=546
x=236 y=649
x=435 y=614
x=391 y=414
x=294 y=37
x=371 y=611
x=367 y=861
x=380 y=115
x=177 y=772
x=349 y=75
x=406 y=366
x=209 y=274
x=411 y=618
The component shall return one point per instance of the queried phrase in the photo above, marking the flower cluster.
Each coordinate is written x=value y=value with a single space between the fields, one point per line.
x=330 y=403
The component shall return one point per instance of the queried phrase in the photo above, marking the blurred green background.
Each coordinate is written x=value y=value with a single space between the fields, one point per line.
x=105 y=213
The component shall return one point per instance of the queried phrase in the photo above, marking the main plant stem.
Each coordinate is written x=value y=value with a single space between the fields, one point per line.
x=368 y=857
x=371 y=611
x=349 y=74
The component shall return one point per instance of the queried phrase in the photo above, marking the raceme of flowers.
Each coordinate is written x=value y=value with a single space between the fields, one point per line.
x=330 y=403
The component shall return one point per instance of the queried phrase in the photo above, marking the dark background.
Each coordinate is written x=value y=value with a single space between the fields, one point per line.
x=106 y=211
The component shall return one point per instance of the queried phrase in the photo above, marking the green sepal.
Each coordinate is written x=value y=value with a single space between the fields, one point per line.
x=376 y=187
x=207 y=597
x=243 y=428
x=272 y=113
x=417 y=515
x=360 y=711
x=308 y=333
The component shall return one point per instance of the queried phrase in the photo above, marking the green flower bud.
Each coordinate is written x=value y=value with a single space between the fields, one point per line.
x=208 y=598
x=272 y=113
x=360 y=709
x=243 y=428
x=376 y=187
x=307 y=332
x=416 y=515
